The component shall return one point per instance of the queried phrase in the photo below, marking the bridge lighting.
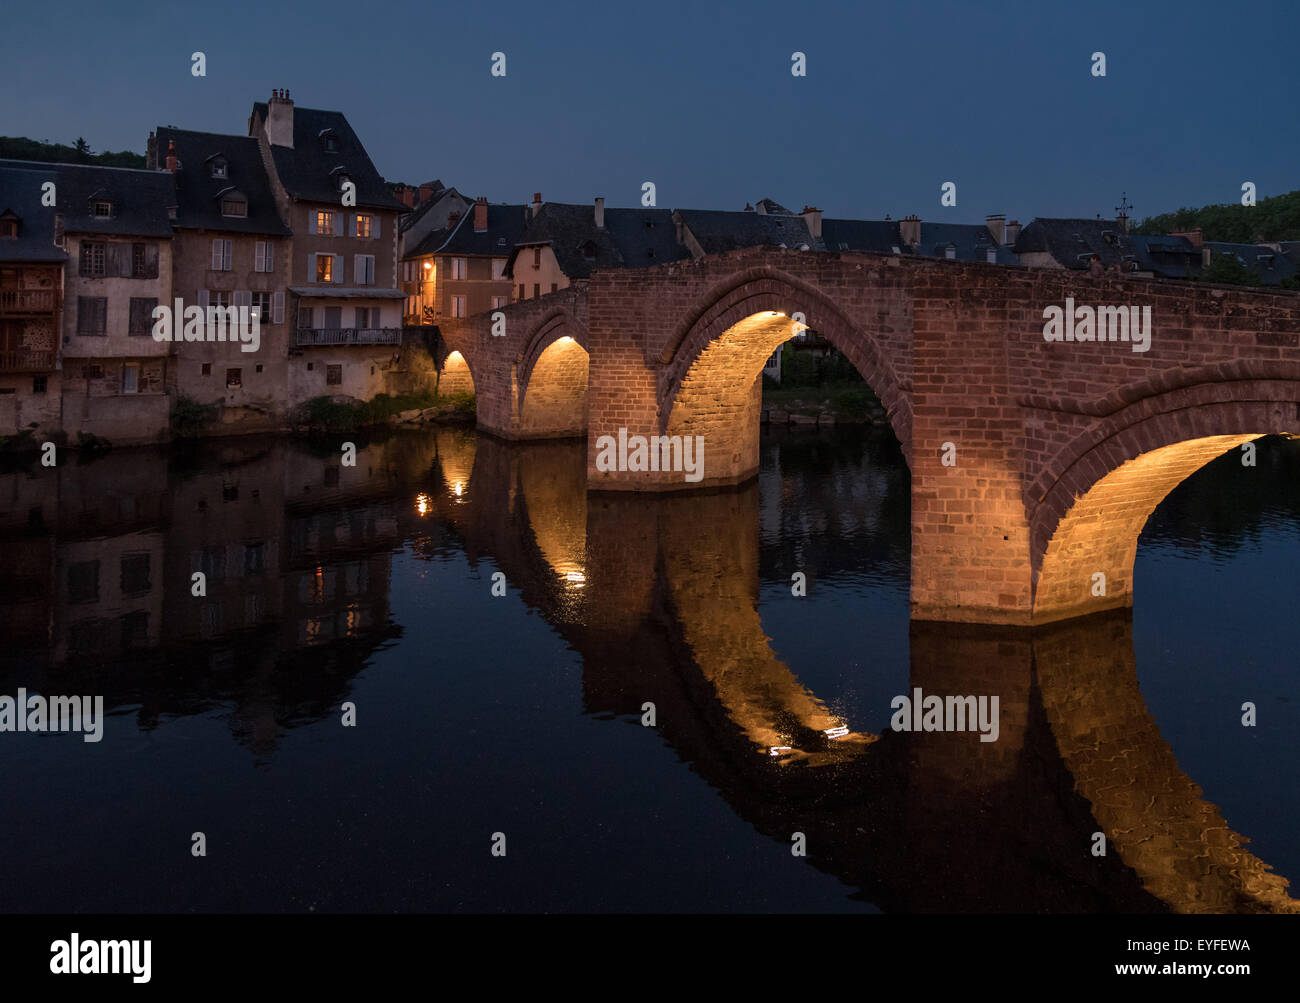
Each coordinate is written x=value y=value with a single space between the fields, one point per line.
x=837 y=732
x=776 y=750
x=422 y=504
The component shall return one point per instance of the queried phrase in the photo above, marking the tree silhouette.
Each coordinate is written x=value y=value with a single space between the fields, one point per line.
x=83 y=149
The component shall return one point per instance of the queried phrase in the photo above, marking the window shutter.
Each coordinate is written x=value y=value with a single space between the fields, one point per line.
x=311 y=221
x=227 y=246
x=243 y=297
x=151 y=261
x=204 y=298
x=358 y=269
x=338 y=268
x=374 y=227
x=216 y=254
x=277 y=308
x=337 y=218
x=269 y=257
x=352 y=225
x=311 y=268
x=257 y=256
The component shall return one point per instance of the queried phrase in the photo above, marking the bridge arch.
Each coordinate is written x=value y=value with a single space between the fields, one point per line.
x=551 y=373
x=709 y=377
x=455 y=376
x=1089 y=505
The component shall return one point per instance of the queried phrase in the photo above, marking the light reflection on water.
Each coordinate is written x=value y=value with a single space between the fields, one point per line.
x=522 y=712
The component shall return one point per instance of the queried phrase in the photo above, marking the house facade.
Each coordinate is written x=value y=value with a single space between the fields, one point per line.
x=229 y=248
x=344 y=305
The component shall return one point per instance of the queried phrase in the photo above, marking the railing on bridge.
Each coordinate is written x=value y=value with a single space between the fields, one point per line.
x=26 y=360
x=26 y=300
x=308 y=336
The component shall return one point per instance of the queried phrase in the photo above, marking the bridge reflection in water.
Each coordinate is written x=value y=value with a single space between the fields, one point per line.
x=659 y=596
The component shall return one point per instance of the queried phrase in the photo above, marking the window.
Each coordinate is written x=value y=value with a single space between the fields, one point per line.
x=498 y=269
x=222 y=251
x=234 y=379
x=367 y=318
x=83 y=581
x=92 y=258
x=537 y=257
x=135 y=574
x=950 y=252
x=234 y=206
x=130 y=378
x=219 y=298
x=8 y=228
x=588 y=250
x=537 y=289
x=206 y=369
x=260 y=307
x=459 y=268
x=334 y=375
x=521 y=290
x=363 y=226
x=498 y=302
x=141 y=322
x=554 y=286
x=343 y=180
x=103 y=210
x=94 y=371
x=324 y=222
x=92 y=316
x=304 y=317
x=458 y=306
x=991 y=256
x=363 y=269
x=324 y=268
x=39 y=384
x=263 y=256
x=144 y=261
x=257 y=369
x=331 y=142
x=218 y=168
x=333 y=317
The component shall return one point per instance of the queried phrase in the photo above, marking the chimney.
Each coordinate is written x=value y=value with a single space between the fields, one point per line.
x=453 y=218
x=426 y=193
x=997 y=224
x=910 y=230
x=406 y=195
x=151 y=152
x=813 y=217
x=172 y=162
x=760 y=208
x=1206 y=254
x=1013 y=232
x=1122 y=220
x=1195 y=236
x=480 y=214
x=537 y=204
x=279 y=119
x=600 y=213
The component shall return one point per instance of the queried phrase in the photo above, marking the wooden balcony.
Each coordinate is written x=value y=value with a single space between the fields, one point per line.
x=316 y=336
x=26 y=360
x=20 y=301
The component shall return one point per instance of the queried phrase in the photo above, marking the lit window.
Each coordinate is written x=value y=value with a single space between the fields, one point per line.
x=324 y=268
x=363 y=226
x=324 y=221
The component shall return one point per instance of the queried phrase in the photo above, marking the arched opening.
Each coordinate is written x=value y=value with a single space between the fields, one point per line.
x=718 y=394
x=1088 y=564
x=554 y=399
x=455 y=377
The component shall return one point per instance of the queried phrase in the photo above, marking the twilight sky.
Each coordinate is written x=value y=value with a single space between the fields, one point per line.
x=699 y=98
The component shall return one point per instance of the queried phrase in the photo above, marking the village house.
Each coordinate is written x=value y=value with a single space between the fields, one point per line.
x=422 y=231
x=344 y=304
x=229 y=248
x=116 y=228
x=1071 y=244
x=31 y=304
x=461 y=267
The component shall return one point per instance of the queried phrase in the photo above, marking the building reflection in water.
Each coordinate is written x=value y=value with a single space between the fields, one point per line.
x=660 y=598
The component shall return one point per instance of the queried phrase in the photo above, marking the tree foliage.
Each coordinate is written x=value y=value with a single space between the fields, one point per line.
x=1276 y=218
x=22 y=148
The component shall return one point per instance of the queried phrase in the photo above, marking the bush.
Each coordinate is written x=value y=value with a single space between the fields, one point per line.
x=189 y=417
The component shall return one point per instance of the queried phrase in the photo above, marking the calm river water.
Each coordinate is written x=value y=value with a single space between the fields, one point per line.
x=521 y=714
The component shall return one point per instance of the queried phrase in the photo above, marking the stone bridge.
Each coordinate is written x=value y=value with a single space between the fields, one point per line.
x=1034 y=464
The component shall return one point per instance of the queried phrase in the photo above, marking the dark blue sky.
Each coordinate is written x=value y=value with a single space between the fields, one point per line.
x=698 y=97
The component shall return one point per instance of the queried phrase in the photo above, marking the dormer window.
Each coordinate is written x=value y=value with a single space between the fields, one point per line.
x=102 y=209
x=9 y=225
x=219 y=168
x=329 y=141
x=234 y=205
x=588 y=249
x=950 y=252
x=343 y=179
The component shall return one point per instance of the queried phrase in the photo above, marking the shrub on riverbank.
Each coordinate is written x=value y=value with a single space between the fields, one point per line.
x=334 y=415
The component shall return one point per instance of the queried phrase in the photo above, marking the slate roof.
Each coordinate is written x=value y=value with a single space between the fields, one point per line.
x=1291 y=248
x=305 y=170
x=440 y=192
x=1073 y=241
x=1167 y=257
x=20 y=194
x=878 y=236
x=567 y=228
x=1268 y=264
x=970 y=241
x=504 y=225
x=644 y=237
x=140 y=198
x=432 y=240
x=772 y=206
x=198 y=193
x=719 y=231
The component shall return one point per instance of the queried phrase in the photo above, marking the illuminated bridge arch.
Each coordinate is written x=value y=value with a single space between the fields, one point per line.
x=551 y=374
